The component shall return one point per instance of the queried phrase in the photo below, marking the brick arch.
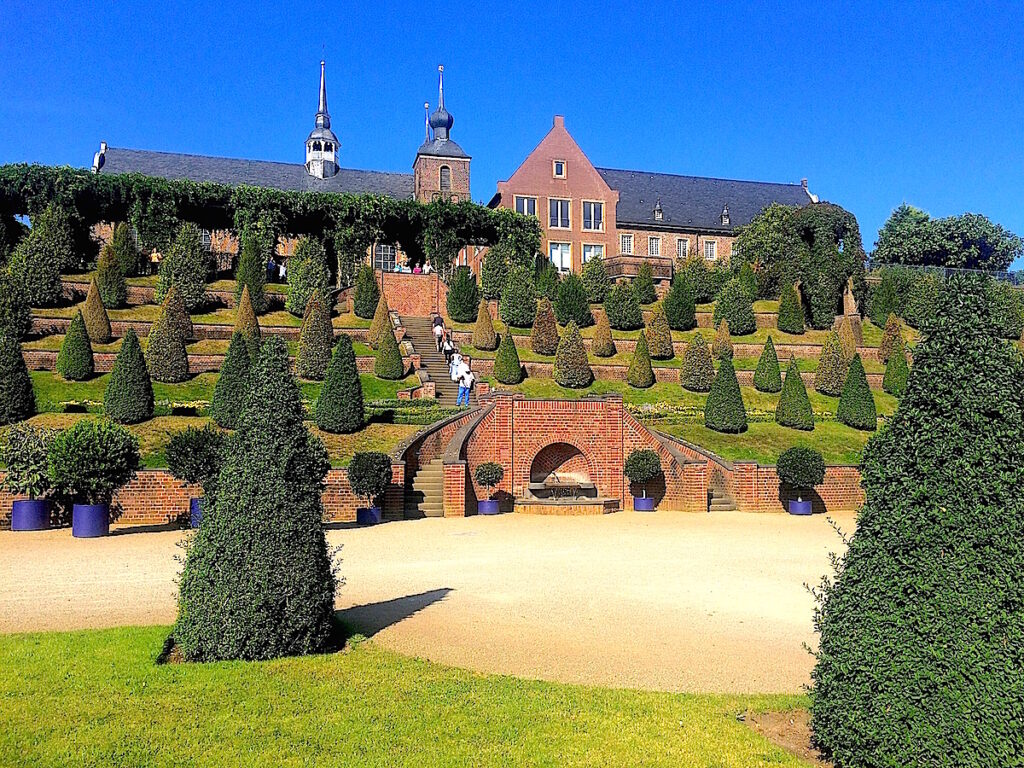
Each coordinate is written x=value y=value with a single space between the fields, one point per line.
x=564 y=457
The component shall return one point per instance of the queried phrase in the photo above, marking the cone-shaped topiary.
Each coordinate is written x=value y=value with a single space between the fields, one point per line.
x=791 y=311
x=896 y=370
x=923 y=619
x=255 y=247
x=248 y=325
x=643 y=284
x=125 y=252
x=721 y=347
x=307 y=273
x=186 y=266
x=494 y=271
x=544 y=336
x=483 y=332
x=17 y=399
x=339 y=408
x=735 y=306
x=572 y=305
x=679 y=306
x=832 y=367
x=74 y=361
x=847 y=339
x=622 y=309
x=547 y=282
x=232 y=384
x=388 y=364
x=166 y=355
x=724 y=411
x=258 y=581
x=572 y=369
x=892 y=335
x=507 y=368
x=698 y=370
x=110 y=282
x=659 y=336
x=595 y=280
x=15 y=314
x=518 y=305
x=128 y=398
x=640 y=373
x=381 y=325
x=177 y=314
x=603 y=344
x=315 y=340
x=463 y=296
x=794 y=408
x=748 y=280
x=97 y=324
x=367 y=294
x=856 y=405
x=39 y=258
x=767 y=377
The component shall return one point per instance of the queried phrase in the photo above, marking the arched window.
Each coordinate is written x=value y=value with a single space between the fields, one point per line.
x=446 y=178
x=316 y=146
x=328 y=147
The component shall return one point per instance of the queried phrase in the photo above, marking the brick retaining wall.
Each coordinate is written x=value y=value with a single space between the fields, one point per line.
x=48 y=326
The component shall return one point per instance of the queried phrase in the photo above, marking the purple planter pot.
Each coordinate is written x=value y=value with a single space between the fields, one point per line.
x=368 y=515
x=488 y=507
x=797 y=507
x=89 y=521
x=195 y=512
x=643 y=504
x=30 y=515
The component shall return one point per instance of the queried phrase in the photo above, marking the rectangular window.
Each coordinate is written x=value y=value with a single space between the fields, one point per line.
x=654 y=246
x=561 y=256
x=526 y=205
x=384 y=257
x=590 y=251
x=710 y=250
x=204 y=239
x=593 y=216
x=558 y=210
x=558 y=169
x=626 y=244
x=682 y=248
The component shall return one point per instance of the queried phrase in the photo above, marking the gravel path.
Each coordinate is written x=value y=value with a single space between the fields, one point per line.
x=665 y=601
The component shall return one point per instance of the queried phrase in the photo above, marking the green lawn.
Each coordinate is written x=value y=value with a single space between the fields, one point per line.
x=98 y=698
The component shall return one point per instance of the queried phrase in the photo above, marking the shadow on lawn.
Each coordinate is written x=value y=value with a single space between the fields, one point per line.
x=371 y=618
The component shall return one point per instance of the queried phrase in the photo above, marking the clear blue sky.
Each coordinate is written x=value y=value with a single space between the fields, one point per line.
x=877 y=104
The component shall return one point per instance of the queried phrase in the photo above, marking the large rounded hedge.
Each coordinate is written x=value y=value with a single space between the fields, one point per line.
x=623 y=309
x=735 y=306
x=316 y=338
x=572 y=369
x=367 y=294
x=17 y=398
x=640 y=374
x=856 y=405
x=507 y=368
x=128 y=398
x=544 y=336
x=724 y=410
x=767 y=377
x=463 y=296
x=698 y=369
x=518 y=305
x=572 y=305
x=232 y=384
x=494 y=271
x=794 y=408
x=339 y=408
x=74 y=360
x=679 y=305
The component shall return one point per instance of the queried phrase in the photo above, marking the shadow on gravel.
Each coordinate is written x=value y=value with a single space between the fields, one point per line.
x=371 y=618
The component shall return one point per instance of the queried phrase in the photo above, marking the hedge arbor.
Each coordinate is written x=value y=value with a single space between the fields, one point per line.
x=367 y=293
x=603 y=345
x=572 y=305
x=258 y=581
x=572 y=369
x=794 y=408
x=830 y=376
x=892 y=336
x=856 y=405
x=544 y=336
x=166 y=355
x=381 y=325
x=735 y=306
x=721 y=347
x=316 y=339
x=623 y=309
x=595 y=280
x=896 y=371
x=463 y=296
x=659 y=335
x=518 y=305
x=97 y=324
x=769 y=244
x=388 y=364
x=698 y=369
x=640 y=373
x=767 y=377
x=724 y=410
x=922 y=621
x=17 y=398
x=483 y=331
x=308 y=273
x=110 y=280
x=643 y=284
x=186 y=265
x=128 y=398
x=125 y=251
x=247 y=324
x=679 y=305
x=74 y=361
x=256 y=243
x=232 y=384
x=507 y=368
x=339 y=408
x=791 y=312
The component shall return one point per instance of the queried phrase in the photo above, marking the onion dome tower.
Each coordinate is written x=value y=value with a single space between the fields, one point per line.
x=322 y=144
x=441 y=168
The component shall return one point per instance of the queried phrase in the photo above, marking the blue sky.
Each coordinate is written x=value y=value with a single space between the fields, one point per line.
x=875 y=103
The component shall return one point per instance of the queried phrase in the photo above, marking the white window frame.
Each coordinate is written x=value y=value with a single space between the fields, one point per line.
x=624 y=239
x=379 y=252
x=710 y=250
x=682 y=247
x=565 y=252
x=554 y=169
x=653 y=246
x=526 y=199
x=205 y=240
x=595 y=249
x=598 y=207
x=568 y=212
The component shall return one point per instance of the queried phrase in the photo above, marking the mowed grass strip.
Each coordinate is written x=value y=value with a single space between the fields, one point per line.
x=99 y=698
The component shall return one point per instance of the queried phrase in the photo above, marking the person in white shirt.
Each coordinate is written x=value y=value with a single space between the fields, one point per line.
x=454 y=366
x=465 y=384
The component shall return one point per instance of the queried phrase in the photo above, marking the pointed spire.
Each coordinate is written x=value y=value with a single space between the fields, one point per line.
x=323 y=119
x=440 y=86
x=426 y=120
x=441 y=121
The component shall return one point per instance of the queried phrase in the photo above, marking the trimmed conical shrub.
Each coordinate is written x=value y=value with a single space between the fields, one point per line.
x=724 y=411
x=847 y=339
x=622 y=309
x=166 y=355
x=483 y=332
x=15 y=314
x=748 y=280
x=640 y=373
x=518 y=305
x=232 y=384
x=544 y=336
x=367 y=294
x=595 y=280
x=97 y=324
x=388 y=364
x=247 y=324
x=185 y=266
x=17 y=399
x=494 y=271
x=791 y=311
x=572 y=369
x=603 y=344
x=74 y=361
x=255 y=247
x=339 y=408
x=794 y=408
x=381 y=325
x=315 y=340
x=892 y=335
x=896 y=371
x=643 y=284
x=832 y=367
x=307 y=274
x=547 y=282
x=39 y=258
x=721 y=347
x=463 y=296
x=125 y=253
x=572 y=305
x=679 y=305
x=110 y=282
x=177 y=314
x=735 y=306
x=659 y=336
x=767 y=377
x=258 y=581
x=856 y=405
x=507 y=368
x=128 y=398
x=698 y=370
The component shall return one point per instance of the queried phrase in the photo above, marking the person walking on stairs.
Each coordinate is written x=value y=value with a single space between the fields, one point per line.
x=466 y=379
x=438 y=331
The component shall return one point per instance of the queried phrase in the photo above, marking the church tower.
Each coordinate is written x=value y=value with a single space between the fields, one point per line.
x=322 y=144
x=441 y=169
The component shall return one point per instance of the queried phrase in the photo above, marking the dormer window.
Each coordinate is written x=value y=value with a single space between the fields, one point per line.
x=659 y=214
x=445 y=178
x=725 y=215
x=558 y=169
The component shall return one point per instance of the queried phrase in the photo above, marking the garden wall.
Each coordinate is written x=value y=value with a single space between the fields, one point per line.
x=48 y=326
x=414 y=295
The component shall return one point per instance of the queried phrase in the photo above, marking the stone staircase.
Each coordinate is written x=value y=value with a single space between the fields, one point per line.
x=720 y=501
x=426 y=499
x=419 y=331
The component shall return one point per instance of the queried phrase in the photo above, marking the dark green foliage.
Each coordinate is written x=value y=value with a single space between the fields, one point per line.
x=483 y=331
x=892 y=336
x=315 y=340
x=15 y=314
x=307 y=273
x=721 y=347
x=97 y=324
x=110 y=280
x=698 y=370
x=494 y=272
x=572 y=305
x=572 y=369
x=39 y=258
x=489 y=474
x=705 y=280
x=12 y=232
x=195 y=455
x=769 y=244
x=595 y=280
x=17 y=399
x=463 y=296
x=232 y=384
x=679 y=306
x=886 y=297
x=255 y=247
x=643 y=284
x=921 y=652
x=544 y=336
x=507 y=368
x=767 y=377
x=724 y=411
x=381 y=324
x=125 y=252
x=747 y=279
x=367 y=294
x=922 y=300
x=659 y=335
x=23 y=450
x=623 y=309
x=830 y=375
x=370 y=474
x=847 y=338
x=185 y=266
x=258 y=581
x=856 y=405
x=1005 y=307
x=518 y=304
x=603 y=344
x=794 y=408
x=91 y=460
x=339 y=408
x=641 y=466
x=640 y=374
x=801 y=468
x=791 y=311
x=247 y=324
x=735 y=305
x=166 y=355
x=177 y=315
x=896 y=371
x=74 y=361
x=128 y=398
x=388 y=364
x=547 y=282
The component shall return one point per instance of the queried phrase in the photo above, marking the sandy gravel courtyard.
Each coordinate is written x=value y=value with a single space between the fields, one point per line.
x=663 y=601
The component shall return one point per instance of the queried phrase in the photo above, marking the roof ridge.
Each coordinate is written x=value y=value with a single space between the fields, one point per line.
x=705 y=178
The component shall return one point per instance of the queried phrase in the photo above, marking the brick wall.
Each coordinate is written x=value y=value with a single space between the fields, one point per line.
x=427 y=177
x=414 y=295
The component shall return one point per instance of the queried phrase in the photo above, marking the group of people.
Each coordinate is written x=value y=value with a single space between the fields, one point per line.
x=276 y=273
x=458 y=369
x=426 y=269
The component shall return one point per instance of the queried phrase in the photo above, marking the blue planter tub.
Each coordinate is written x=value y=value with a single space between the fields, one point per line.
x=488 y=507
x=30 y=515
x=195 y=512
x=797 y=507
x=643 y=504
x=90 y=520
x=368 y=515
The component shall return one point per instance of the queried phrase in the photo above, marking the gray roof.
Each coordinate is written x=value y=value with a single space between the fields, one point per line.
x=258 y=173
x=694 y=201
x=441 y=148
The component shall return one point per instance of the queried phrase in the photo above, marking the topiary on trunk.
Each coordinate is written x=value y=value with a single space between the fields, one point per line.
x=128 y=398
x=643 y=284
x=367 y=294
x=463 y=296
x=572 y=369
x=74 y=361
x=721 y=347
x=830 y=376
x=110 y=282
x=186 y=266
x=595 y=280
x=232 y=384
x=794 y=408
x=920 y=659
x=603 y=344
x=622 y=309
x=258 y=581
x=307 y=273
x=679 y=306
x=572 y=305
x=735 y=306
x=698 y=370
x=544 y=336
x=381 y=325
x=388 y=364
x=518 y=305
x=97 y=324
x=315 y=340
x=767 y=377
x=507 y=368
x=892 y=335
x=791 y=312
x=255 y=248
x=640 y=373
x=856 y=405
x=166 y=355
x=339 y=408
x=483 y=332
x=847 y=339
x=896 y=371
x=724 y=411
x=659 y=336
x=247 y=324
x=17 y=398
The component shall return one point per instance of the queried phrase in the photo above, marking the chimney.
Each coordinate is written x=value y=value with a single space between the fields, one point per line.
x=559 y=121
x=803 y=183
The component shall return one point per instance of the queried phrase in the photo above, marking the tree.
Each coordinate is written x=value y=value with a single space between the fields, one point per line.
x=17 y=398
x=640 y=373
x=572 y=369
x=603 y=344
x=922 y=300
x=483 y=332
x=794 y=408
x=547 y=282
x=748 y=280
x=892 y=335
x=128 y=398
x=791 y=312
x=315 y=339
x=232 y=384
x=367 y=294
x=258 y=581
x=769 y=245
x=643 y=284
x=923 y=617
x=679 y=306
x=724 y=411
x=721 y=347
x=659 y=336
x=42 y=255
x=381 y=325
x=896 y=371
x=507 y=368
x=463 y=296
x=905 y=238
x=698 y=370
x=494 y=271
x=847 y=339
x=518 y=304
x=830 y=376
x=339 y=408
x=110 y=281
x=74 y=361
x=886 y=298
x=185 y=266
x=767 y=377
x=255 y=247
x=388 y=364
x=15 y=314
x=623 y=309
x=572 y=305
x=735 y=306
x=544 y=336
x=595 y=280
x=125 y=252
x=177 y=315
x=856 y=404
x=248 y=325
x=97 y=324
x=307 y=274
x=166 y=355
x=1005 y=307
x=705 y=281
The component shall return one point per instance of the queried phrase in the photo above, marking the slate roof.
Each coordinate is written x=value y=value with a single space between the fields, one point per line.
x=441 y=148
x=694 y=201
x=260 y=173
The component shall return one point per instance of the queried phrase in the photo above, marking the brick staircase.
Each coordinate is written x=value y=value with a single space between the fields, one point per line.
x=419 y=331
x=426 y=499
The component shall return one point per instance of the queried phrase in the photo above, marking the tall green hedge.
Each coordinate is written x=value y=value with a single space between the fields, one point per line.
x=388 y=364
x=791 y=311
x=17 y=398
x=518 y=305
x=640 y=374
x=603 y=345
x=659 y=335
x=544 y=336
x=830 y=375
x=484 y=336
x=724 y=410
x=307 y=274
x=572 y=305
x=767 y=377
x=547 y=282
x=316 y=339
x=367 y=293
x=735 y=305
x=698 y=369
x=623 y=309
x=128 y=398
x=97 y=324
x=232 y=384
x=248 y=325
x=794 y=408
x=896 y=371
x=125 y=252
x=110 y=279
x=748 y=279
x=595 y=280
x=186 y=266
x=679 y=305
x=463 y=296
x=339 y=408
x=166 y=355
x=15 y=313
x=572 y=369
x=856 y=405
x=507 y=368
x=892 y=336
x=255 y=247
x=41 y=256
x=74 y=361
x=494 y=272
x=643 y=284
